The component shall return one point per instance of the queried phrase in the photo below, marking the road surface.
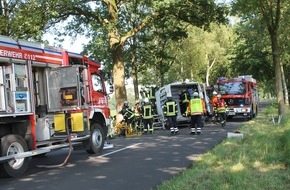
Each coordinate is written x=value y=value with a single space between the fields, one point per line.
x=134 y=163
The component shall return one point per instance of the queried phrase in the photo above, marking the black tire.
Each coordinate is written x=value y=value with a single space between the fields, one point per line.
x=97 y=139
x=13 y=144
x=250 y=117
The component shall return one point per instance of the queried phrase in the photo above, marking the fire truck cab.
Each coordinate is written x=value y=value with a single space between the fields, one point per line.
x=49 y=99
x=240 y=94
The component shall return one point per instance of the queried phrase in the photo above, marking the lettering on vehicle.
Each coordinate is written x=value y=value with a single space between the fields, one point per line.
x=17 y=55
x=103 y=100
x=29 y=56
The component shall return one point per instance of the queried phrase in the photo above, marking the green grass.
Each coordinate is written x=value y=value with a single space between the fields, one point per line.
x=258 y=161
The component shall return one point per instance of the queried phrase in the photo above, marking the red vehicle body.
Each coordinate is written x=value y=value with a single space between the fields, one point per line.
x=49 y=99
x=240 y=94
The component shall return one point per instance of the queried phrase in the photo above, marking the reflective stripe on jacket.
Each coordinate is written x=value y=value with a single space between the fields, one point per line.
x=147 y=112
x=184 y=97
x=170 y=108
x=152 y=93
x=221 y=106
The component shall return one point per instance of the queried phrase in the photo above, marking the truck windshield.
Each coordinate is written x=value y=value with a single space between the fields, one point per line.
x=232 y=88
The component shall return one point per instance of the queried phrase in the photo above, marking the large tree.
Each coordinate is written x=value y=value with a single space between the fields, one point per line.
x=110 y=18
x=269 y=12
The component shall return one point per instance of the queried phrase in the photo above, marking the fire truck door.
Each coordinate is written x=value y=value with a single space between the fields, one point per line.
x=2 y=90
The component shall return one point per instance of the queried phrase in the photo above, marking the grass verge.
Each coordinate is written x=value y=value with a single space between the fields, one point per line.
x=260 y=160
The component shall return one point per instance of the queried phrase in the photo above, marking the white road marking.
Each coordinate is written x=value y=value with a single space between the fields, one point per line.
x=127 y=147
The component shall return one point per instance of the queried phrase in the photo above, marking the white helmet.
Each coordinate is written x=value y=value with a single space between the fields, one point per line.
x=146 y=100
x=214 y=93
x=195 y=94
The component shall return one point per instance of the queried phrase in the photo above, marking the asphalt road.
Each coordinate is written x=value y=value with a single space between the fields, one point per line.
x=133 y=163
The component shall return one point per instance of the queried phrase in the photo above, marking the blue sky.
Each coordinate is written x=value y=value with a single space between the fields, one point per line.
x=68 y=44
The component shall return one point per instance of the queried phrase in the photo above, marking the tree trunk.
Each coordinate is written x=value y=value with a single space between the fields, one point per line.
x=135 y=70
x=207 y=70
x=119 y=77
x=284 y=84
x=209 y=66
x=278 y=75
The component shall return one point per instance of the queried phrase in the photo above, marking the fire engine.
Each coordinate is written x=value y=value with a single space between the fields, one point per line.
x=240 y=94
x=174 y=90
x=50 y=98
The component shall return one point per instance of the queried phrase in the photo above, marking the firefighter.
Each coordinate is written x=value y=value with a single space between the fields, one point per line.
x=214 y=97
x=137 y=112
x=220 y=108
x=143 y=93
x=147 y=116
x=170 y=111
x=151 y=96
x=184 y=98
x=127 y=113
x=196 y=110
x=213 y=101
x=190 y=91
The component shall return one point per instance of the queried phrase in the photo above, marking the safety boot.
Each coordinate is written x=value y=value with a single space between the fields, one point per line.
x=192 y=131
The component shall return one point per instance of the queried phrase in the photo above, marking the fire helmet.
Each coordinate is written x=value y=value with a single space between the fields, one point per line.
x=146 y=100
x=195 y=94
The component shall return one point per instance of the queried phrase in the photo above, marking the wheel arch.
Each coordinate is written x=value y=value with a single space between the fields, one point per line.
x=18 y=126
x=99 y=117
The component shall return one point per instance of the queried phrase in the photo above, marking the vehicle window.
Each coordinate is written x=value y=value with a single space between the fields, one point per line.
x=97 y=83
x=232 y=88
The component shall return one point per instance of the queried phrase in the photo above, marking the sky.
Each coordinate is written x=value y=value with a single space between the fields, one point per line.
x=68 y=44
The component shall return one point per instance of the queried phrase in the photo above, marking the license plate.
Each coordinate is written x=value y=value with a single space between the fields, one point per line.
x=231 y=113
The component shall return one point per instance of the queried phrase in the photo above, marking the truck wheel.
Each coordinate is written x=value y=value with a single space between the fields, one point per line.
x=13 y=144
x=250 y=117
x=255 y=112
x=97 y=139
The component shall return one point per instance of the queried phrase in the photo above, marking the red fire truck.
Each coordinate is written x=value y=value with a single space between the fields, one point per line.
x=49 y=99
x=240 y=94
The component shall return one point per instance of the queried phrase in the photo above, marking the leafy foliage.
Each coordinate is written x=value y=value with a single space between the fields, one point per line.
x=25 y=19
x=253 y=51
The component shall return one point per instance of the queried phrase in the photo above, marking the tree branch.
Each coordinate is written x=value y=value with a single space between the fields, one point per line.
x=278 y=13
x=120 y=3
x=138 y=28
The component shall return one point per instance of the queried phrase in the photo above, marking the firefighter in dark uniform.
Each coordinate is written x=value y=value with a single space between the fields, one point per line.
x=170 y=112
x=128 y=117
x=143 y=93
x=147 y=116
x=196 y=110
x=184 y=98
x=127 y=113
x=152 y=98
